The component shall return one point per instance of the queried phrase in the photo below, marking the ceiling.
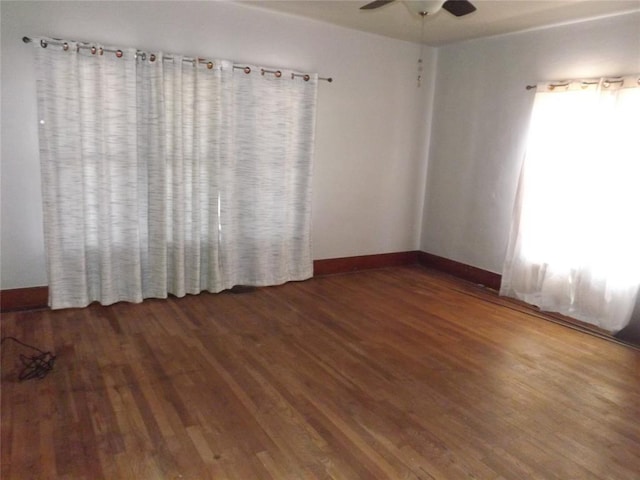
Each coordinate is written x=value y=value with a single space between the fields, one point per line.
x=492 y=17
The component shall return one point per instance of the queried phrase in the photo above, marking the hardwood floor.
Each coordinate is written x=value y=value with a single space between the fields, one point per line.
x=398 y=373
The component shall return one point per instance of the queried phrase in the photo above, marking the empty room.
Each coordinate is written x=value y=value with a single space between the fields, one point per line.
x=320 y=240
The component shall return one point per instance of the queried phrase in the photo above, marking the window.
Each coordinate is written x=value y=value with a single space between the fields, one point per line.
x=575 y=243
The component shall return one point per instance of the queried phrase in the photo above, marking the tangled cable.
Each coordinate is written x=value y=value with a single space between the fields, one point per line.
x=35 y=366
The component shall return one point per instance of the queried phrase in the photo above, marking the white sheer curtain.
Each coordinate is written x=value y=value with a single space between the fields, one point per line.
x=575 y=240
x=164 y=176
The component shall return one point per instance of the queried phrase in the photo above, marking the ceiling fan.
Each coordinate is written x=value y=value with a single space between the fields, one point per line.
x=429 y=7
x=423 y=8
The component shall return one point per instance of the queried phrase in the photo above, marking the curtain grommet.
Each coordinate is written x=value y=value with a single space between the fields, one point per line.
x=306 y=77
x=93 y=50
x=43 y=44
x=65 y=46
x=101 y=51
x=278 y=74
x=152 y=57
x=247 y=70
x=209 y=65
x=119 y=53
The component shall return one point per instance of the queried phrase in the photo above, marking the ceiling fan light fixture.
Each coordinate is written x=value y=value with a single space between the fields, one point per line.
x=424 y=7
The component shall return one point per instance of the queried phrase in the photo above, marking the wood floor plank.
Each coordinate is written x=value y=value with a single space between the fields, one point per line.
x=397 y=373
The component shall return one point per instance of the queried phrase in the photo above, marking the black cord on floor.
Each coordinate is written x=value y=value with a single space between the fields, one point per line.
x=35 y=366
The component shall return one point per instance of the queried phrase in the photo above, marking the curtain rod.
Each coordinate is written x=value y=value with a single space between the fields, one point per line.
x=606 y=82
x=65 y=45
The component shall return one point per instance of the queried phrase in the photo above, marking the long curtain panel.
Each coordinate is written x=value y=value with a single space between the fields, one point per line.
x=161 y=175
x=575 y=240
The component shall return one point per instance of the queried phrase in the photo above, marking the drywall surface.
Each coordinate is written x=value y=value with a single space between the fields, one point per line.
x=370 y=155
x=480 y=121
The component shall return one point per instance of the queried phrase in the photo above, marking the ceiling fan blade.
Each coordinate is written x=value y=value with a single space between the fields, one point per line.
x=458 y=7
x=375 y=4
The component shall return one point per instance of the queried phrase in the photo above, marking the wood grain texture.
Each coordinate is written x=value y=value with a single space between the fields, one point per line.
x=398 y=373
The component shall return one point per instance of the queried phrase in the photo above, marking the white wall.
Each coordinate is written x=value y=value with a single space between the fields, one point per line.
x=480 y=118
x=370 y=161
